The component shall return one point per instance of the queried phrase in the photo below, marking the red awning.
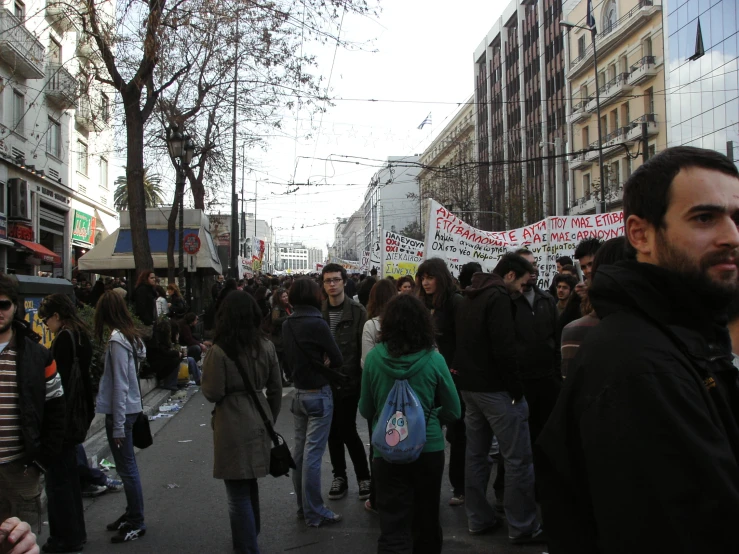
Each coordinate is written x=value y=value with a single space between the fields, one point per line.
x=39 y=251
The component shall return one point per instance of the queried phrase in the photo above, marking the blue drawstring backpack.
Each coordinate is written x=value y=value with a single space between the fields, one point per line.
x=400 y=433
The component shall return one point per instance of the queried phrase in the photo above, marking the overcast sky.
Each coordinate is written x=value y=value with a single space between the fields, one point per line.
x=423 y=63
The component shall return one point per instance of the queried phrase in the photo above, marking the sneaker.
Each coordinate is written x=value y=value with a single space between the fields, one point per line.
x=339 y=488
x=364 y=489
x=113 y=485
x=91 y=491
x=334 y=518
x=127 y=535
x=54 y=547
x=456 y=500
x=489 y=529
x=370 y=508
x=537 y=537
x=118 y=524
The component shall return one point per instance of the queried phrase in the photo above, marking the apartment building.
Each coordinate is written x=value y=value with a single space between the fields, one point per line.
x=702 y=74
x=520 y=115
x=295 y=257
x=630 y=84
x=386 y=202
x=56 y=197
x=348 y=237
x=448 y=167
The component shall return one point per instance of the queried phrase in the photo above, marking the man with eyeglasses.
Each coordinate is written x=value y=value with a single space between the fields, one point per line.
x=537 y=348
x=346 y=318
x=32 y=411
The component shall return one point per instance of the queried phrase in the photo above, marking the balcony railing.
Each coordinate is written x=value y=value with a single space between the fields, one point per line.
x=61 y=87
x=635 y=127
x=617 y=80
x=20 y=48
x=646 y=60
x=623 y=19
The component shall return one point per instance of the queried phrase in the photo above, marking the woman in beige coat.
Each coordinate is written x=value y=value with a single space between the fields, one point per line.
x=241 y=442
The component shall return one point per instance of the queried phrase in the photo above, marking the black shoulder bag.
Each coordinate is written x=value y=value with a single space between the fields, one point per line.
x=280 y=459
x=79 y=415
x=141 y=430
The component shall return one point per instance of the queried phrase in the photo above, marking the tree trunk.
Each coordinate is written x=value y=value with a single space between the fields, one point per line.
x=171 y=229
x=135 y=184
x=197 y=187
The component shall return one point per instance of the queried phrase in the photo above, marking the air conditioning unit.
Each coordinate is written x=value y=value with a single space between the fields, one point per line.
x=20 y=199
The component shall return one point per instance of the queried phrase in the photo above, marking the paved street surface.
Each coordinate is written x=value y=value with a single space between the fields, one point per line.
x=193 y=516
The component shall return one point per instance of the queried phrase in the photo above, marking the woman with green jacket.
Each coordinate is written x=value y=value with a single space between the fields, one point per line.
x=408 y=495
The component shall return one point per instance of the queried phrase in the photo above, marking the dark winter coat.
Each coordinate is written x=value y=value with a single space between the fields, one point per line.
x=348 y=336
x=485 y=356
x=537 y=336
x=444 y=327
x=65 y=345
x=145 y=301
x=641 y=453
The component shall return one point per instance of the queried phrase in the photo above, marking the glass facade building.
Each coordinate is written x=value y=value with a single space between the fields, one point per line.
x=702 y=74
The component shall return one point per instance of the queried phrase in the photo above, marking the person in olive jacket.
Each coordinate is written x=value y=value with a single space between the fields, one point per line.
x=241 y=443
x=346 y=319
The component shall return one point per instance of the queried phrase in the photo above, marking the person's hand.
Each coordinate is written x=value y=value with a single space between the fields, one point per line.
x=326 y=361
x=582 y=290
x=118 y=442
x=16 y=537
x=169 y=304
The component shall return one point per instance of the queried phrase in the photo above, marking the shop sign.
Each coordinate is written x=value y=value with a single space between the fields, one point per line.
x=20 y=231
x=84 y=227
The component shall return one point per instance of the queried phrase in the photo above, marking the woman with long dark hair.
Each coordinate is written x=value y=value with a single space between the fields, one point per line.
x=145 y=297
x=119 y=398
x=240 y=442
x=281 y=310
x=177 y=304
x=309 y=348
x=97 y=291
x=406 y=285
x=437 y=291
x=408 y=495
x=72 y=352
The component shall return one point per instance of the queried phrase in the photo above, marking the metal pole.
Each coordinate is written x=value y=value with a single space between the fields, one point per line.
x=600 y=207
x=234 y=270
x=645 y=142
x=181 y=179
x=558 y=185
x=256 y=186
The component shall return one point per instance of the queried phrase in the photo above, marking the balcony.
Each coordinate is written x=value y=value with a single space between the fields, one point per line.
x=85 y=117
x=613 y=36
x=61 y=88
x=611 y=91
x=20 y=48
x=578 y=161
x=611 y=143
x=583 y=205
x=60 y=13
x=635 y=127
x=579 y=113
x=643 y=70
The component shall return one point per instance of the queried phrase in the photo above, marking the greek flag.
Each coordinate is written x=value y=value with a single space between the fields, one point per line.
x=591 y=17
x=426 y=121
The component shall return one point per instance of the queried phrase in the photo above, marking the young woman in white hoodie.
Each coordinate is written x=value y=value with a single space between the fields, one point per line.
x=119 y=398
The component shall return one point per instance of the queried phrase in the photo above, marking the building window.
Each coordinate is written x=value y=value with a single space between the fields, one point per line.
x=104 y=173
x=626 y=162
x=649 y=101
x=105 y=107
x=652 y=150
x=20 y=10
x=581 y=46
x=609 y=16
x=19 y=111
x=586 y=185
x=646 y=47
x=82 y=157
x=54 y=139
x=55 y=51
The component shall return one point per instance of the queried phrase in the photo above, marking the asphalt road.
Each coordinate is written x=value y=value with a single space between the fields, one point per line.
x=186 y=509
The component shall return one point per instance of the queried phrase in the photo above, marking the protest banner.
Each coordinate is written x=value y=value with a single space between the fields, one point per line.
x=458 y=243
x=375 y=257
x=364 y=264
x=401 y=255
x=349 y=265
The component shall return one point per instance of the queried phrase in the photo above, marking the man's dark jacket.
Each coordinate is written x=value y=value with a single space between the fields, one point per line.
x=537 y=336
x=42 y=419
x=485 y=356
x=348 y=336
x=445 y=334
x=641 y=454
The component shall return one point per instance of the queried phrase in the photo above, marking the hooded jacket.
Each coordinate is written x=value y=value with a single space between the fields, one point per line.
x=641 y=453
x=119 y=393
x=485 y=357
x=428 y=376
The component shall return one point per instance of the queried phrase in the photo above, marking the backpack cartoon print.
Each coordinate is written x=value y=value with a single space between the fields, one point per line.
x=396 y=430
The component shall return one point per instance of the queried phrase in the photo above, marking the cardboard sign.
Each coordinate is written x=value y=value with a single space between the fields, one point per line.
x=401 y=255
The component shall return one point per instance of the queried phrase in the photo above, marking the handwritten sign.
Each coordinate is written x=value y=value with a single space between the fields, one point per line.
x=401 y=255
x=458 y=243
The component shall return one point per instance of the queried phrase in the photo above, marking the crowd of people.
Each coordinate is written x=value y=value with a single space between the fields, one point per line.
x=607 y=406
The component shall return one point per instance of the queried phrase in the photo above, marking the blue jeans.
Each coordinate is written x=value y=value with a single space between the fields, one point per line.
x=491 y=413
x=313 y=412
x=243 y=511
x=128 y=471
x=88 y=475
x=194 y=370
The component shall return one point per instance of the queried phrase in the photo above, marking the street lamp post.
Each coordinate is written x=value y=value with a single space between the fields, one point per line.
x=601 y=206
x=181 y=149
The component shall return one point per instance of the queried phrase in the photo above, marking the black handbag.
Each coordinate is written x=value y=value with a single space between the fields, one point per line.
x=280 y=459
x=141 y=431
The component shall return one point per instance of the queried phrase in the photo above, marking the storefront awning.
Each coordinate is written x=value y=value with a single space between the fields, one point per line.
x=116 y=252
x=109 y=223
x=39 y=251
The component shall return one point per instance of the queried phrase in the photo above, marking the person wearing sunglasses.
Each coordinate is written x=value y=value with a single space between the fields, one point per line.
x=32 y=406
x=72 y=352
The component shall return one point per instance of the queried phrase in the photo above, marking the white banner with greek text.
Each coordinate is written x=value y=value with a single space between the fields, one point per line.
x=401 y=255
